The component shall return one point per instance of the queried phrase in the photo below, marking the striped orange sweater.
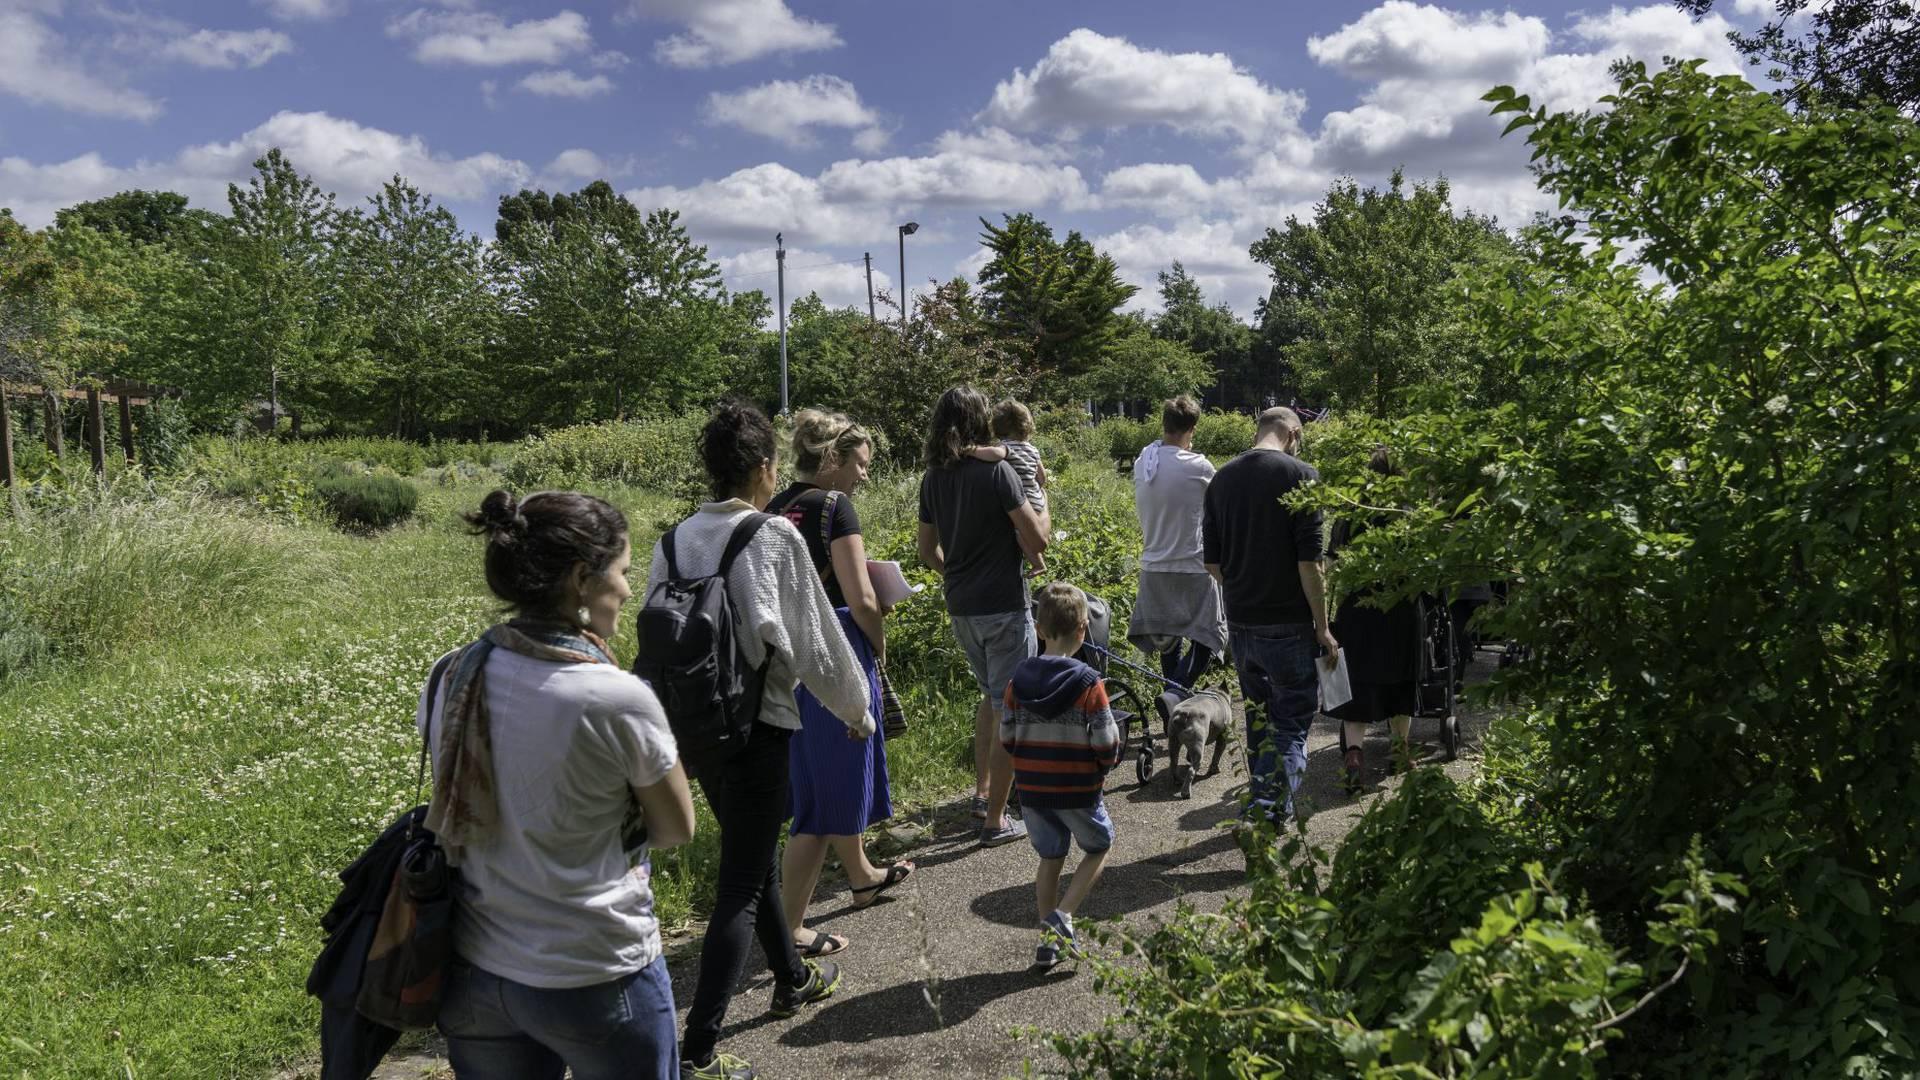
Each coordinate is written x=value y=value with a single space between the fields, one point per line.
x=1060 y=731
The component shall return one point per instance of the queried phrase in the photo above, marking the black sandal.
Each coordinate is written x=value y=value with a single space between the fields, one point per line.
x=895 y=874
x=823 y=944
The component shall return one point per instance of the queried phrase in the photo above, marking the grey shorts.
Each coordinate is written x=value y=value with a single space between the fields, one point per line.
x=995 y=645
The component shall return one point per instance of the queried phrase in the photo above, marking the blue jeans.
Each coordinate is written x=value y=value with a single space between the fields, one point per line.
x=498 y=1029
x=1282 y=691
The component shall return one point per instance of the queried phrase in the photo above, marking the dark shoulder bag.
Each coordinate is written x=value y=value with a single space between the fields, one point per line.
x=413 y=944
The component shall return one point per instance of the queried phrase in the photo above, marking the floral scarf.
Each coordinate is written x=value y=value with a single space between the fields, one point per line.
x=464 y=804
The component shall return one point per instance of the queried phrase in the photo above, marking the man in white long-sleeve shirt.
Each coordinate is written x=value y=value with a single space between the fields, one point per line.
x=786 y=621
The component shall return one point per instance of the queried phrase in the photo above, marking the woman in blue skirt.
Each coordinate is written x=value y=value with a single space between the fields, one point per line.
x=840 y=786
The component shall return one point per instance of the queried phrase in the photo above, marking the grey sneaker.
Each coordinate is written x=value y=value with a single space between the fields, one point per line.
x=823 y=978
x=1010 y=830
x=722 y=1067
x=979 y=808
x=1059 y=927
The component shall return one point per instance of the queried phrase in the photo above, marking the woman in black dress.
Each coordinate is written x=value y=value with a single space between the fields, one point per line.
x=1380 y=647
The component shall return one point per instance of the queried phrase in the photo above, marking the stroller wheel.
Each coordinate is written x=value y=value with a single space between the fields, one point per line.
x=1450 y=736
x=1143 y=765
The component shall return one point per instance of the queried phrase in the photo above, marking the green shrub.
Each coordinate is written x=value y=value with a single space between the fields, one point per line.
x=1126 y=438
x=1066 y=436
x=1223 y=434
x=1499 y=977
x=661 y=455
x=365 y=501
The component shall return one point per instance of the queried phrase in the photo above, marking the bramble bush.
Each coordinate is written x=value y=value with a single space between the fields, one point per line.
x=661 y=454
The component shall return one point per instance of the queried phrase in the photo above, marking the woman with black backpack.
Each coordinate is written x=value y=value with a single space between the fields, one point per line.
x=840 y=788
x=785 y=631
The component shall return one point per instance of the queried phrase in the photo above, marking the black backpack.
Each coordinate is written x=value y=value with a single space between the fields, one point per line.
x=690 y=654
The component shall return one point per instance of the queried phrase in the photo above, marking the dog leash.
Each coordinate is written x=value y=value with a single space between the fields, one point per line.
x=1109 y=654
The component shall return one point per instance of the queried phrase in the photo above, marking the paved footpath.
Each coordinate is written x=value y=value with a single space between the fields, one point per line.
x=935 y=981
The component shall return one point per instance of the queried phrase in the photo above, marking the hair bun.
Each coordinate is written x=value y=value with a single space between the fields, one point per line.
x=500 y=516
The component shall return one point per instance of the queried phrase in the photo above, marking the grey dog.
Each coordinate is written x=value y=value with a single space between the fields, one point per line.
x=1201 y=719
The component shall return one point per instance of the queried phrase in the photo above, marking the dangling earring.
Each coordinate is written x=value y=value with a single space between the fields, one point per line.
x=582 y=616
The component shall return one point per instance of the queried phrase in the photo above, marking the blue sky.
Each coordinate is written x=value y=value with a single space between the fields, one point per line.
x=1161 y=131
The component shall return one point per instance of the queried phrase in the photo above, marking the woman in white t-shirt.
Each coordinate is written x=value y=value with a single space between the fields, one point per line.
x=554 y=776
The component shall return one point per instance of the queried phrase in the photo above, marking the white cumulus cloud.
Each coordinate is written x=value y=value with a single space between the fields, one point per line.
x=483 y=39
x=1400 y=40
x=310 y=10
x=36 y=65
x=228 y=48
x=787 y=110
x=562 y=83
x=1089 y=80
x=839 y=278
x=342 y=156
x=720 y=32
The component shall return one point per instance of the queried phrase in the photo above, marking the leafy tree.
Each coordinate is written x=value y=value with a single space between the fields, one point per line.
x=1365 y=304
x=1216 y=336
x=281 y=290
x=1058 y=300
x=57 y=319
x=614 y=309
x=1847 y=51
x=425 y=308
x=149 y=217
x=1141 y=367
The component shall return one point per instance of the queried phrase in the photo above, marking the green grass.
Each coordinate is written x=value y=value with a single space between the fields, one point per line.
x=218 y=720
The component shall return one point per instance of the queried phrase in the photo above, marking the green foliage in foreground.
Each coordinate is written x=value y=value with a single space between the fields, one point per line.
x=1428 y=952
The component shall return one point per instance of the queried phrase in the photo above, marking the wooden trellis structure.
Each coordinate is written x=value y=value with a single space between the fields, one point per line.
x=91 y=389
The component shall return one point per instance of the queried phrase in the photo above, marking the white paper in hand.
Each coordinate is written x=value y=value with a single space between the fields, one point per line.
x=889 y=584
x=1335 y=688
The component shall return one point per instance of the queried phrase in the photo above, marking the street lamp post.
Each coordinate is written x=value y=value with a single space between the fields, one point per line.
x=906 y=230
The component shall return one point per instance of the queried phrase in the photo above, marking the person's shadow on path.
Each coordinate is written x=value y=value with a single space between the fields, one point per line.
x=1124 y=889
x=912 y=1008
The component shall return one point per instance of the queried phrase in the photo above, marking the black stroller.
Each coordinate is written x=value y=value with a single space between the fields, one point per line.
x=1130 y=709
x=1436 y=683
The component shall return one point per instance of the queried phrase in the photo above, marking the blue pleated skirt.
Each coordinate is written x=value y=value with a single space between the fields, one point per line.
x=840 y=785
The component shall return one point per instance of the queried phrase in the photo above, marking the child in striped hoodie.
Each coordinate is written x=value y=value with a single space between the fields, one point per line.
x=1061 y=733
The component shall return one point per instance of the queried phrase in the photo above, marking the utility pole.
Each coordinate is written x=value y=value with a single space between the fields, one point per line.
x=780 y=264
x=872 y=316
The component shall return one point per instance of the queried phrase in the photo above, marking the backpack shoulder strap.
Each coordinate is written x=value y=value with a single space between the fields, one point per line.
x=666 y=551
x=743 y=534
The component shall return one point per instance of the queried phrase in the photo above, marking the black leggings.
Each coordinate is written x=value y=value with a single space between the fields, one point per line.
x=748 y=793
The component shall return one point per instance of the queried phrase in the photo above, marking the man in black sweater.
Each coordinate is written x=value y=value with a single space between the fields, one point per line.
x=1267 y=560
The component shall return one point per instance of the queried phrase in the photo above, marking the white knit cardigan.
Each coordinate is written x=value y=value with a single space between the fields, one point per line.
x=782 y=607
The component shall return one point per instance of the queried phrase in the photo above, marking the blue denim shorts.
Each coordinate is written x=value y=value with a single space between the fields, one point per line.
x=1052 y=830
x=995 y=645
